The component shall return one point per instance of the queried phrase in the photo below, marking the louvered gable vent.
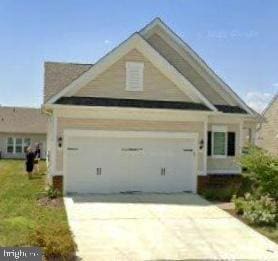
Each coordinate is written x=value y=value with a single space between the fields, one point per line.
x=134 y=76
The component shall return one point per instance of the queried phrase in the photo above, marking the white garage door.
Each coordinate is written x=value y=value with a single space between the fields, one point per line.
x=124 y=164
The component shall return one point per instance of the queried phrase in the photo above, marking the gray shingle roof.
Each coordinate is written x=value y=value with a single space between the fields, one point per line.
x=58 y=75
x=22 y=120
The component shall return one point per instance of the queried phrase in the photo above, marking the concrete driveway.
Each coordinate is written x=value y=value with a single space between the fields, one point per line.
x=161 y=227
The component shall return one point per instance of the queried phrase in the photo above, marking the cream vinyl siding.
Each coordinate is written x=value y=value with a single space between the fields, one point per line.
x=126 y=125
x=184 y=67
x=267 y=135
x=228 y=163
x=112 y=82
x=35 y=138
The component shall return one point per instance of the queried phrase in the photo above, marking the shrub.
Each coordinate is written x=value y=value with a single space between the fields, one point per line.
x=263 y=170
x=261 y=212
x=220 y=194
x=257 y=211
x=53 y=192
x=239 y=204
x=55 y=240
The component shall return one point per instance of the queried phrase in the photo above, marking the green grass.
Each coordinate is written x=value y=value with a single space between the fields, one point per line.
x=21 y=217
x=270 y=232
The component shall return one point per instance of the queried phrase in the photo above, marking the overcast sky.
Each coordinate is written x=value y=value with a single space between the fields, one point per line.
x=238 y=39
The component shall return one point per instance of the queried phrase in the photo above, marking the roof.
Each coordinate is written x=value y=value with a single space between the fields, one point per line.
x=273 y=100
x=65 y=79
x=230 y=109
x=58 y=75
x=22 y=120
x=131 y=103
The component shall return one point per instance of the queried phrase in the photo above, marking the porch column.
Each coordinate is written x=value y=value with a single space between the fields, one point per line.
x=205 y=147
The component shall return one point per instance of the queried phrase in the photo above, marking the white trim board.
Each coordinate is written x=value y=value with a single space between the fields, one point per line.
x=136 y=41
x=238 y=172
x=130 y=134
x=146 y=31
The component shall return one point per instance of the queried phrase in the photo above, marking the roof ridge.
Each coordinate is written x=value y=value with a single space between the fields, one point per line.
x=91 y=64
x=273 y=99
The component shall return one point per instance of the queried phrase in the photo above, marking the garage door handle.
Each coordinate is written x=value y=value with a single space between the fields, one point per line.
x=163 y=170
x=98 y=171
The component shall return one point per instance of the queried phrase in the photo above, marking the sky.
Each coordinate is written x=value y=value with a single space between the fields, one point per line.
x=237 y=39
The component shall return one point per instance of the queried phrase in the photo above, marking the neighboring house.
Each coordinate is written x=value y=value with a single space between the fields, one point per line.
x=20 y=128
x=267 y=132
x=149 y=116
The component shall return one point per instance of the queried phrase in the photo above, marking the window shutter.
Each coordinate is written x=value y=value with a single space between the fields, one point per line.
x=231 y=144
x=209 y=144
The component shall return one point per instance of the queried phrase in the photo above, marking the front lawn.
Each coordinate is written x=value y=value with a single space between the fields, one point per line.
x=268 y=231
x=24 y=221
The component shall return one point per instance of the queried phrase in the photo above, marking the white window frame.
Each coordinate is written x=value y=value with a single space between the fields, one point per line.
x=135 y=66
x=223 y=129
x=23 y=144
x=12 y=145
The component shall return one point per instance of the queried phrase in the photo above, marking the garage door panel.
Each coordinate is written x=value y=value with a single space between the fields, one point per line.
x=129 y=164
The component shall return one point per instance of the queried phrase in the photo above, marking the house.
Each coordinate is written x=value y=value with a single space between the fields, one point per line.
x=267 y=132
x=19 y=128
x=149 y=116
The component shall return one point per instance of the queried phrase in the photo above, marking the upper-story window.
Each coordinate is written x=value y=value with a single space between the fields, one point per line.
x=134 y=76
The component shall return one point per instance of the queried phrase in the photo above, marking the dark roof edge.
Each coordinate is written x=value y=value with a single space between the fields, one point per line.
x=133 y=103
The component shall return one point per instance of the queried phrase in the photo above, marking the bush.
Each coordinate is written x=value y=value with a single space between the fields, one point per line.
x=257 y=211
x=55 y=240
x=53 y=193
x=220 y=194
x=239 y=204
x=263 y=170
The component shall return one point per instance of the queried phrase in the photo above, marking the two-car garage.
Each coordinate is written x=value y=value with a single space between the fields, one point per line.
x=127 y=161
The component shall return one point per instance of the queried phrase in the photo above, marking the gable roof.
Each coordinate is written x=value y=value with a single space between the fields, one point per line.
x=223 y=89
x=22 y=120
x=74 y=76
x=135 y=41
x=58 y=75
x=273 y=100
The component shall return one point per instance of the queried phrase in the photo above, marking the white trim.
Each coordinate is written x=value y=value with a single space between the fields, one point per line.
x=83 y=112
x=53 y=152
x=217 y=171
x=157 y=21
x=124 y=134
x=241 y=139
x=205 y=160
x=219 y=128
x=130 y=134
x=135 y=42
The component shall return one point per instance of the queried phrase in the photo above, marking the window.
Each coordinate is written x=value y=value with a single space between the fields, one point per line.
x=10 y=145
x=17 y=144
x=27 y=143
x=219 y=141
x=134 y=76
